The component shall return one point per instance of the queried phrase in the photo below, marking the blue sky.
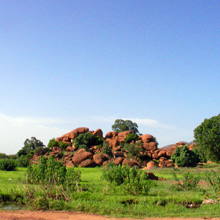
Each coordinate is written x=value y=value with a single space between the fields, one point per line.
x=67 y=64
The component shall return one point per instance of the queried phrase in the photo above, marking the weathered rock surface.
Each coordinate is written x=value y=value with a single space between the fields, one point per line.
x=99 y=158
x=98 y=133
x=87 y=163
x=80 y=156
x=151 y=164
x=95 y=157
x=72 y=134
x=130 y=163
x=118 y=160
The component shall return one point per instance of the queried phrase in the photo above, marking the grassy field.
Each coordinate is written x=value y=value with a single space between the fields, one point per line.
x=97 y=196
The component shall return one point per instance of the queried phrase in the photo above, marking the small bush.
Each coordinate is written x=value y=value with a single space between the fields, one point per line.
x=190 y=182
x=39 y=151
x=83 y=146
x=41 y=203
x=3 y=156
x=131 y=137
x=12 y=156
x=133 y=150
x=63 y=145
x=7 y=164
x=52 y=143
x=184 y=157
x=131 y=180
x=87 y=139
x=213 y=180
x=106 y=149
x=23 y=161
x=49 y=171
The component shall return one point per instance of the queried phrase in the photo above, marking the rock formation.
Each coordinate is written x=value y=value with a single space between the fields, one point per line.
x=154 y=156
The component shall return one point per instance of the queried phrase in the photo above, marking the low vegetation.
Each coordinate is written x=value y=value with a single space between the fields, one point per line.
x=190 y=189
x=114 y=190
x=130 y=180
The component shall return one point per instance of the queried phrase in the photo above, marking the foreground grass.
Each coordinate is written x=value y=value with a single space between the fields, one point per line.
x=96 y=196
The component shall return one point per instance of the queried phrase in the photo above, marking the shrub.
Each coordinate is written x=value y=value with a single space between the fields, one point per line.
x=189 y=182
x=133 y=150
x=41 y=203
x=214 y=181
x=49 y=171
x=39 y=151
x=183 y=157
x=131 y=137
x=3 y=156
x=63 y=145
x=7 y=164
x=23 y=161
x=12 y=156
x=87 y=139
x=52 y=143
x=131 y=180
x=106 y=149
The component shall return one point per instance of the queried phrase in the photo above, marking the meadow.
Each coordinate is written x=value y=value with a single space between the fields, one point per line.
x=166 y=198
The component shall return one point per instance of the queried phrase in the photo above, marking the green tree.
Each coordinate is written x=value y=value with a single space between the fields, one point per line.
x=184 y=157
x=30 y=145
x=125 y=125
x=207 y=137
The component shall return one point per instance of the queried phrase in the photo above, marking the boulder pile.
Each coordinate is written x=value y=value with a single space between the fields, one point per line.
x=94 y=156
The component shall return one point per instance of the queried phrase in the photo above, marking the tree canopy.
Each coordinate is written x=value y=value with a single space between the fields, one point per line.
x=125 y=125
x=30 y=145
x=207 y=137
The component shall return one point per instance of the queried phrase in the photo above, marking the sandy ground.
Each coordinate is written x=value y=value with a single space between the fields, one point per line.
x=40 y=215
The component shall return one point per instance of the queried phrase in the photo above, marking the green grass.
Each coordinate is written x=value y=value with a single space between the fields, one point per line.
x=96 y=196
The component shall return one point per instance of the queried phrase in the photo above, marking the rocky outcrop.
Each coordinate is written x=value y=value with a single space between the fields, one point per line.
x=72 y=134
x=148 y=142
x=94 y=155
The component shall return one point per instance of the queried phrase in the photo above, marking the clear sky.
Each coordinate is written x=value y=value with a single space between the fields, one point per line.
x=67 y=64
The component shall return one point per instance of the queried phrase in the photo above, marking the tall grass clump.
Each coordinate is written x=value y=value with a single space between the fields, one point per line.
x=213 y=179
x=54 y=184
x=49 y=171
x=130 y=180
x=190 y=182
x=7 y=164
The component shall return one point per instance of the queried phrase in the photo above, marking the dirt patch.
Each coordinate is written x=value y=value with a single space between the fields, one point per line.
x=40 y=215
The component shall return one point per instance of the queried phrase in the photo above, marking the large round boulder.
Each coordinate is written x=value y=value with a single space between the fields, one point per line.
x=80 y=156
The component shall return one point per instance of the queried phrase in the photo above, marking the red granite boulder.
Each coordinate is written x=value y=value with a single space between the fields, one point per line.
x=122 y=135
x=73 y=134
x=98 y=133
x=80 y=156
x=118 y=160
x=151 y=164
x=88 y=163
x=99 y=158
x=146 y=138
x=130 y=163
x=111 y=134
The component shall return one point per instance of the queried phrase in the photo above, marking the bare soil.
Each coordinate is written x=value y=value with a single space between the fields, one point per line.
x=61 y=215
